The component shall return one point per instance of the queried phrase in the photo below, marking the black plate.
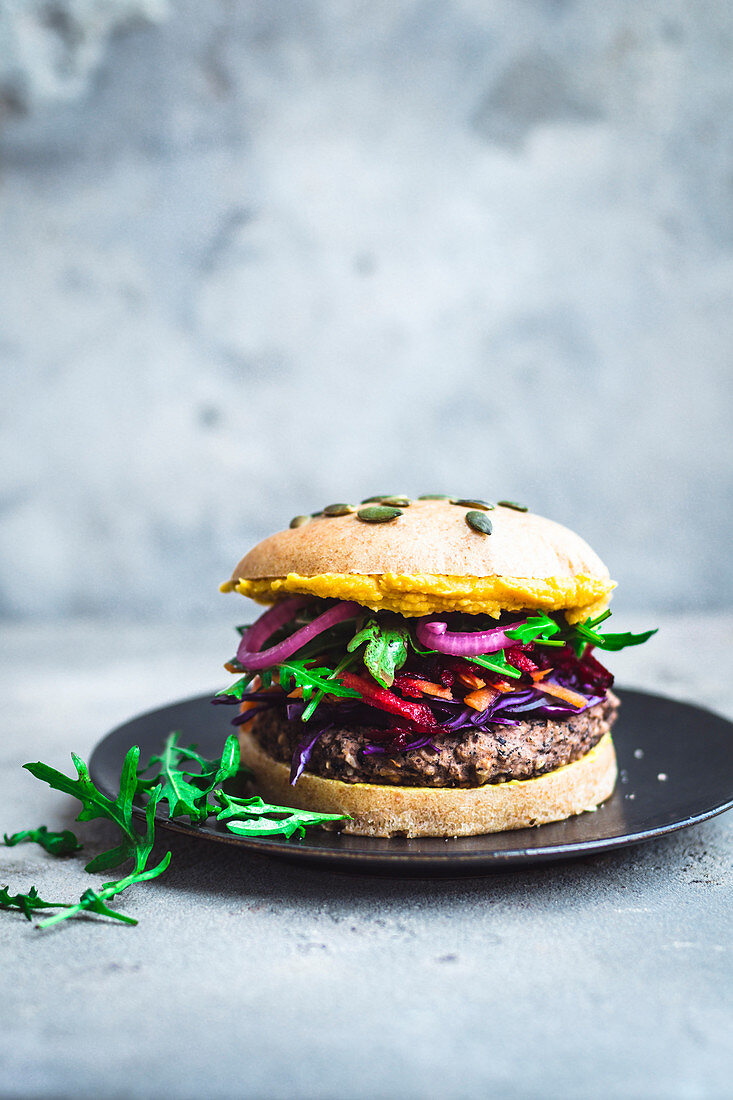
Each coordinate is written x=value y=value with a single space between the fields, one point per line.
x=663 y=786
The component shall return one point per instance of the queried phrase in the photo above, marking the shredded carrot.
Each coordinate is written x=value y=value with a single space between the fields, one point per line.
x=540 y=674
x=296 y=693
x=471 y=680
x=435 y=689
x=503 y=685
x=245 y=705
x=572 y=697
x=481 y=699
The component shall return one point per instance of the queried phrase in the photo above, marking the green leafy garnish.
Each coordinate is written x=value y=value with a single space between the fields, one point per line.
x=133 y=844
x=58 y=844
x=237 y=689
x=538 y=626
x=314 y=682
x=581 y=635
x=187 y=782
x=28 y=903
x=95 y=804
x=386 y=649
x=316 y=697
x=186 y=779
x=612 y=642
x=253 y=817
x=497 y=662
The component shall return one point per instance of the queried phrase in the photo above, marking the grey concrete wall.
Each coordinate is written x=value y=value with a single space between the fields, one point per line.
x=258 y=257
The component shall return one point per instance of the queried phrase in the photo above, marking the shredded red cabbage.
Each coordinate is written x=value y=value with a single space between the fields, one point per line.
x=400 y=743
x=302 y=754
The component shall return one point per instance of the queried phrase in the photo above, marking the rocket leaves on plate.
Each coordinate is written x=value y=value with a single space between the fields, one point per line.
x=94 y=804
x=186 y=779
x=386 y=649
x=63 y=843
x=134 y=845
x=253 y=817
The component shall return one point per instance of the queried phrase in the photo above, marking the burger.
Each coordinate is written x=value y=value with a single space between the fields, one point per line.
x=427 y=667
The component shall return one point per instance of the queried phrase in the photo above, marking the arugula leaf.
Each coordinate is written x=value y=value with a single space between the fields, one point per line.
x=64 y=843
x=253 y=817
x=612 y=642
x=95 y=804
x=314 y=682
x=93 y=901
x=186 y=779
x=237 y=689
x=312 y=679
x=316 y=698
x=26 y=903
x=133 y=845
x=385 y=652
x=535 y=627
x=496 y=662
x=582 y=634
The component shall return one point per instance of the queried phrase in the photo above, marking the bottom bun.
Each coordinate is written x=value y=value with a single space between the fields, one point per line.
x=383 y=810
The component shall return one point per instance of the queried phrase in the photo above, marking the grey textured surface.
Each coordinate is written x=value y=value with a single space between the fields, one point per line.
x=50 y=49
x=281 y=254
x=605 y=977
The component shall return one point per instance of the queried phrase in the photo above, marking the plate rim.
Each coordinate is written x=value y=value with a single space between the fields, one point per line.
x=383 y=858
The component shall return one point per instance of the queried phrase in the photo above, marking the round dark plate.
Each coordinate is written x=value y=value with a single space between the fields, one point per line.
x=663 y=786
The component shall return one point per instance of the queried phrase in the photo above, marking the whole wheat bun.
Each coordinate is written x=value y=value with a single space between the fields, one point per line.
x=431 y=536
x=381 y=810
x=429 y=559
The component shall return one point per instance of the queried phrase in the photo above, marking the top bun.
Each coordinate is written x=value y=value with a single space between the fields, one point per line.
x=430 y=559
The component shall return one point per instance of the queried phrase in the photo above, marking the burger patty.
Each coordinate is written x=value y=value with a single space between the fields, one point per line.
x=466 y=759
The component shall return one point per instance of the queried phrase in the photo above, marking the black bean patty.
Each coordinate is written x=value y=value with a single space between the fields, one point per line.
x=466 y=759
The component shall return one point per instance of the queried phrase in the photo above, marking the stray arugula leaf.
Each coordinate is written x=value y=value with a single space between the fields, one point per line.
x=186 y=779
x=314 y=682
x=237 y=689
x=582 y=634
x=253 y=817
x=95 y=804
x=535 y=627
x=27 y=903
x=612 y=642
x=93 y=901
x=133 y=845
x=58 y=844
x=316 y=698
x=496 y=662
x=385 y=652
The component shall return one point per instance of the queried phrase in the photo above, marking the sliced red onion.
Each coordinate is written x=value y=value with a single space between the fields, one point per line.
x=434 y=634
x=250 y=651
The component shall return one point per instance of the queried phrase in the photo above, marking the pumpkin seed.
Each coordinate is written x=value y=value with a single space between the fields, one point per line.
x=376 y=499
x=480 y=522
x=433 y=496
x=378 y=514
x=396 y=502
x=513 y=504
x=482 y=504
x=299 y=521
x=338 y=509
